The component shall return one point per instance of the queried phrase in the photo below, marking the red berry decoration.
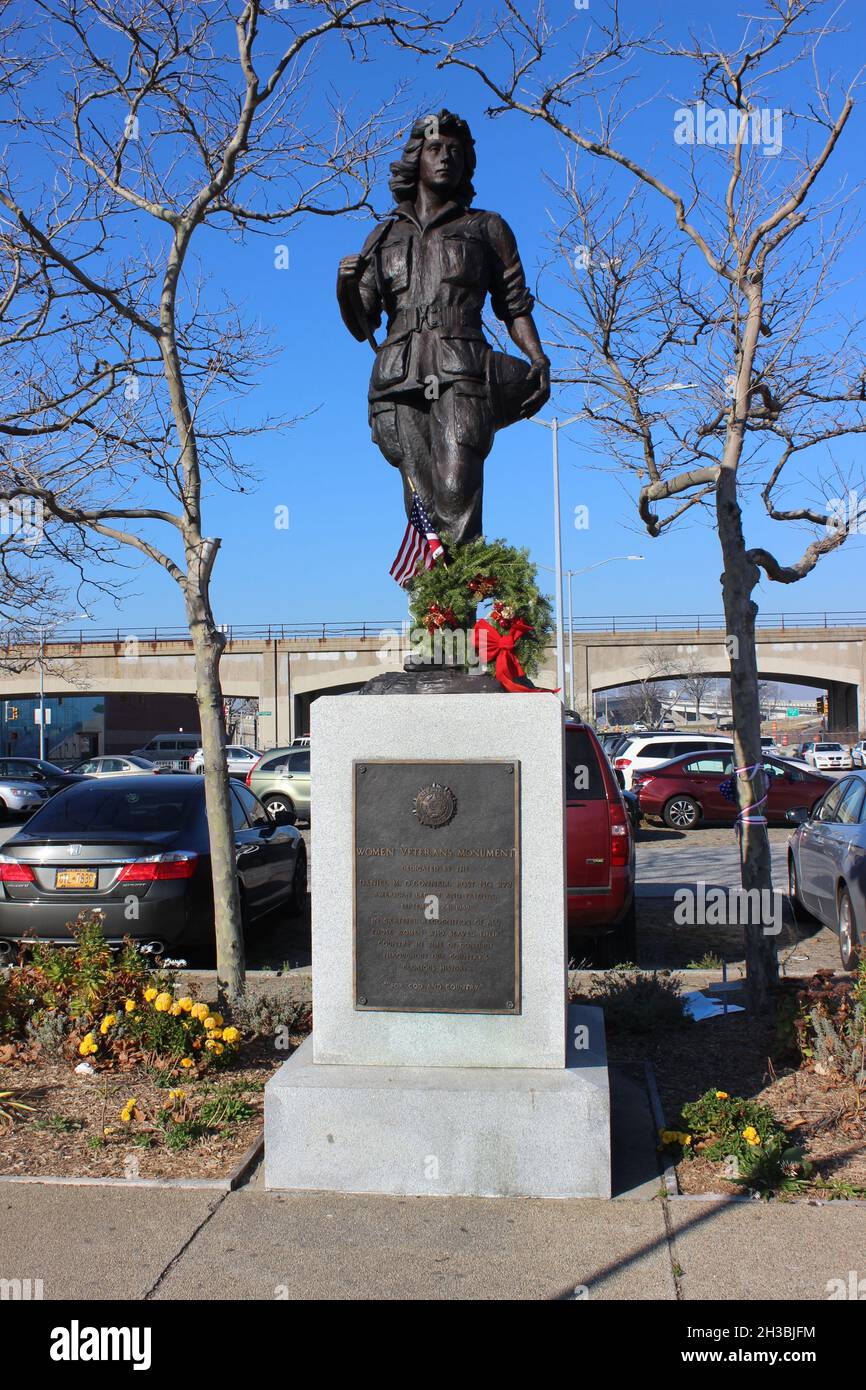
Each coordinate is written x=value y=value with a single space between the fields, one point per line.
x=503 y=615
x=437 y=617
x=483 y=586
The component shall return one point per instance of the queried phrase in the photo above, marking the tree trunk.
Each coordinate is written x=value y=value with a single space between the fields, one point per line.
x=208 y=645
x=738 y=580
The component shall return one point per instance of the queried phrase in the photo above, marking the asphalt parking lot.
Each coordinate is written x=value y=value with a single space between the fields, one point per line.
x=666 y=860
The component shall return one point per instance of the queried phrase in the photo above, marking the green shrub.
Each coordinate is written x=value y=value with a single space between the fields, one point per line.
x=639 y=1001
x=746 y=1136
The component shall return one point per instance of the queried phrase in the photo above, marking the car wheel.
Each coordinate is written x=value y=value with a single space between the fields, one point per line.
x=681 y=813
x=298 y=898
x=848 y=941
x=278 y=802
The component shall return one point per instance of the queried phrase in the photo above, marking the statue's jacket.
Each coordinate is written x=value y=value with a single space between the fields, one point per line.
x=431 y=284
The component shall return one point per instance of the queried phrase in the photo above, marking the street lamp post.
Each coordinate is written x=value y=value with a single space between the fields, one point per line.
x=570 y=575
x=42 y=693
x=554 y=426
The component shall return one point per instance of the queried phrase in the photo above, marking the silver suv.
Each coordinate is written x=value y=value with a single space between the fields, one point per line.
x=281 y=779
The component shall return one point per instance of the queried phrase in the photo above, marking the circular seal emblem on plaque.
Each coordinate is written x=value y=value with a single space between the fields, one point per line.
x=435 y=805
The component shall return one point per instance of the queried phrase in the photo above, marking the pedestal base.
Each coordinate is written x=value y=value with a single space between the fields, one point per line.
x=451 y=1131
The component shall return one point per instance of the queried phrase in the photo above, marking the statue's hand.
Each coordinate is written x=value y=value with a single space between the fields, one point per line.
x=351 y=268
x=539 y=373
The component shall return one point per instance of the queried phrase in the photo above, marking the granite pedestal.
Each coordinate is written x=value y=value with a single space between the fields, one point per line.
x=441 y=1101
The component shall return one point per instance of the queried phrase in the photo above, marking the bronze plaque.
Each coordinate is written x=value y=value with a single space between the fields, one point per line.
x=437 y=887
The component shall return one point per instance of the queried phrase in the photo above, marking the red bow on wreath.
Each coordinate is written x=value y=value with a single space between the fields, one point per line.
x=499 y=647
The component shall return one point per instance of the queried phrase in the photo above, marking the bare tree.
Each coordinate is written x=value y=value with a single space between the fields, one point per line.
x=175 y=120
x=722 y=285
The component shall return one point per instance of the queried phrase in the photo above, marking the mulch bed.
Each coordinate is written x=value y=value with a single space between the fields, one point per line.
x=731 y=1053
x=65 y=1135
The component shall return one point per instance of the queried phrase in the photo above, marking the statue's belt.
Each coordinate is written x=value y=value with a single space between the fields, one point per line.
x=446 y=317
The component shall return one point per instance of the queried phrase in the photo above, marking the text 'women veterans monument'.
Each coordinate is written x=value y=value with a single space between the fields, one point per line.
x=444 y=1057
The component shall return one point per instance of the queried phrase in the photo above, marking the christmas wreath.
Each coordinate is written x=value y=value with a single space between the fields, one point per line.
x=451 y=595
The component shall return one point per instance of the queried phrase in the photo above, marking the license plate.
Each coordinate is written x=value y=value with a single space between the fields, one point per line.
x=75 y=878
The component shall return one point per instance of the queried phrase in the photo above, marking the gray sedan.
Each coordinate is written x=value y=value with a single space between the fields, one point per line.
x=827 y=863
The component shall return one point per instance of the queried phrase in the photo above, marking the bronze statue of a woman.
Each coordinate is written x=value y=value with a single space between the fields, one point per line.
x=438 y=391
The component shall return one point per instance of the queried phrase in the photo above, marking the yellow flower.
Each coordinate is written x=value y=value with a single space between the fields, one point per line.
x=186 y=1062
x=108 y=1022
x=200 y=1011
x=213 y=1046
x=722 y=1095
x=231 y=1035
x=210 y=1023
x=175 y=1010
x=150 y=994
x=126 y=1116
x=87 y=1045
x=751 y=1136
x=685 y=1140
x=218 y=1020
x=215 y=1033
x=177 y=1095
x=130 y=1006
x=163 y=1002
x=185 y=1004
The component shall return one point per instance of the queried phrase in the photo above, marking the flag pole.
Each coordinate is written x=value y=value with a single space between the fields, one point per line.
x=415 y=493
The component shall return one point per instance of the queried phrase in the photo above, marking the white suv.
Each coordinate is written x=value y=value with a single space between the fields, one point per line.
x=644 y=751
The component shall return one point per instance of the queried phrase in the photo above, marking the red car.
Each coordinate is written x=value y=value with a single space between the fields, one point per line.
x=689 y=789
x=599 y=850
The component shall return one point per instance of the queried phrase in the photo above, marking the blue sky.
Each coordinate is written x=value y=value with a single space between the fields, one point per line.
x=344 y=501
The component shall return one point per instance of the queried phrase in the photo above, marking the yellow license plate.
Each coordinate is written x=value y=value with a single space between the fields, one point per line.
x=75 y=878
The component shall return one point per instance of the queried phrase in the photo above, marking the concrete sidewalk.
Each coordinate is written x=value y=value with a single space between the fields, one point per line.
x=88 y=1242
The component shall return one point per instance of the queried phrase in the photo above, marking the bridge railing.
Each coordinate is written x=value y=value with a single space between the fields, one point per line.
x=278 y=632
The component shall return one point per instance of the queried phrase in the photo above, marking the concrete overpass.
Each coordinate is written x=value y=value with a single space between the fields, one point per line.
x=286 y=667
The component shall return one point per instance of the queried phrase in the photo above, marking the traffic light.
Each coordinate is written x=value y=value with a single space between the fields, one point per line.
x=821 y=704
x=11 y=711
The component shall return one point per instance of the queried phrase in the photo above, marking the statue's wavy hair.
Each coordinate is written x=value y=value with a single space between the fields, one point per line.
x=404 y=171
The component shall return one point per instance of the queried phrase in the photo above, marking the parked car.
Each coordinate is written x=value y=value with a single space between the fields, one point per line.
x=769 y=747
x=102 y=843
x=281 y=779
x=688 y=789
x=828 y=756
x=827 y=863
x=170 y=750
x=645 y=751
x=115 y=765
x=20 y=796
x=858 y=754
x=599 y=851
x=48 y=775
x=238 y=758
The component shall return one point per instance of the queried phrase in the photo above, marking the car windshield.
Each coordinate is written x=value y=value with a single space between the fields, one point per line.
x=828 y=748
x=103 y=805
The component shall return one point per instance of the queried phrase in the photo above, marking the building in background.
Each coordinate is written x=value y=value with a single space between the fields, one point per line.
x=82 y=726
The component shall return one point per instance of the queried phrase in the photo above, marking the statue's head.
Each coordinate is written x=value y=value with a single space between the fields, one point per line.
x=446 y=143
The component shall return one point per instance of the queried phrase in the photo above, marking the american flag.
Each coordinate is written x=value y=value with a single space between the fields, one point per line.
x=419 y=541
